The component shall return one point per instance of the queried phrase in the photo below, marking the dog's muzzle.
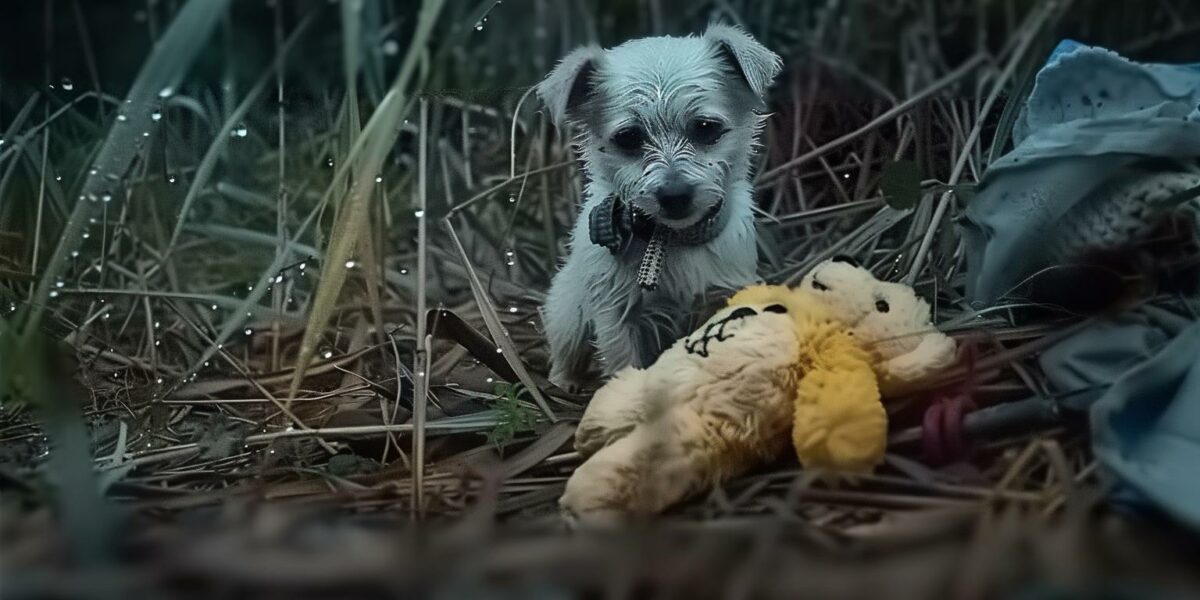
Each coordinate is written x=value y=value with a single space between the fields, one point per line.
x=613 y=224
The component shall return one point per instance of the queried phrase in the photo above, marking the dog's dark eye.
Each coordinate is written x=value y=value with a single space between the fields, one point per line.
x=776 y=308
x=882 y=306
x=630 y=139
x=817 y=285
x=706 y=131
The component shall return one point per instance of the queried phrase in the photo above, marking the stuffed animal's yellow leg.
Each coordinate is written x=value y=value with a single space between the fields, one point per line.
x=840 y=423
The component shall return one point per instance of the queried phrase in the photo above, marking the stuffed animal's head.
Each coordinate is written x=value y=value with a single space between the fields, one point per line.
x=888 y=317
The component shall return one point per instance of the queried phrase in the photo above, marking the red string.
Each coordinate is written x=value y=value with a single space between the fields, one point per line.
x=942 y=435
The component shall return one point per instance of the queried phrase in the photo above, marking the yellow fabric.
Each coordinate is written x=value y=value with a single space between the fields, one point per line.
x=839 y=421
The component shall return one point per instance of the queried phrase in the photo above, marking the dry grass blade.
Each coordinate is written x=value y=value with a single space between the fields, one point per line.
x=492 y=320
x=368 y=154
x=158 y=78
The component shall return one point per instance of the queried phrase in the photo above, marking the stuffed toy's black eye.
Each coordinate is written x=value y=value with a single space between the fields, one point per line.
x=776 y=308
x=630 y=139
x=817 y=285
x=742 y=313
x=842 y=258
x=706 y=131
x=882 y=306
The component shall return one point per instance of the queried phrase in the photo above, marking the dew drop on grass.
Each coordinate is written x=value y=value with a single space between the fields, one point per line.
x=329 y=162
x=350 y=264
x=122 y=118
x=171 y=179
x=241 y=131
x=156 y=116
x=166 y=92
x=379 y=179
x=67 y=84
x=420 y=214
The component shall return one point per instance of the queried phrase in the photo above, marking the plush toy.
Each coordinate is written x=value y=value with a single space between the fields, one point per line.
x=810 y=360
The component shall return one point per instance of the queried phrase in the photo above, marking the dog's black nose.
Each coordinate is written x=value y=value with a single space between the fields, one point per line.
x=675 y=198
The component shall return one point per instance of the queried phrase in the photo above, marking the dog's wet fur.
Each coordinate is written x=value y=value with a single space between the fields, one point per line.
x=669 y=125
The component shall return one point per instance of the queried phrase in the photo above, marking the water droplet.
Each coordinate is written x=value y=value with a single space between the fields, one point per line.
x=156 y=116
x=53 y=294
x=328 y=354
x=479 y=26
x=303 y=266
x=171 y=179
x=122 y=118
x=279 y=279
x=241 y=131
x=499 y=350
x=93 y=171
x=59 y=284
x=106 y=197
x=214 y=307
x=166 y=92
x=67 y=84
x=86 y=235
x=420 y=214
x=490 y=380
x=404 y=271
x=350 y=264
x=512 y=199
x=379 y=179
x=74 y=254
x=512 y=309
x=249 y=331
x=329 y=162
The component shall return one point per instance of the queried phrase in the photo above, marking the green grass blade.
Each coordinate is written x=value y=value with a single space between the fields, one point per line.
x=369 y=151
x=160 y=75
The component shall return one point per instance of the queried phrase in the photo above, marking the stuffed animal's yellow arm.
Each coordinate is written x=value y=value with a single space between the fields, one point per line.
x=840 y=423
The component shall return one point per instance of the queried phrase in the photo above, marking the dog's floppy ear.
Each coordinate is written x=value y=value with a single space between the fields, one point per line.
x=569 y=83
x=757 y=65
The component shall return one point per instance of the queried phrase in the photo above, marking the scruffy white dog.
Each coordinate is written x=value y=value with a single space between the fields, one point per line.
x=666 y=128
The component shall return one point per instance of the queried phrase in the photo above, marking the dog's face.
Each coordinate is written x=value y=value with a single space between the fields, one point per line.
x=666 y=123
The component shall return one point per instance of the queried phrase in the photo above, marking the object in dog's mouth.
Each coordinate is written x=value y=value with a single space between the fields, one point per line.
x=614 y=224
